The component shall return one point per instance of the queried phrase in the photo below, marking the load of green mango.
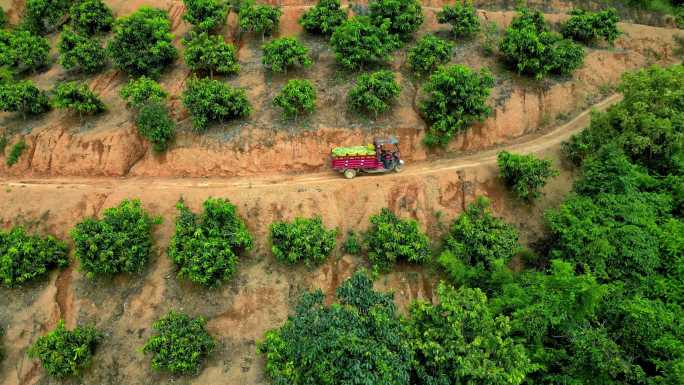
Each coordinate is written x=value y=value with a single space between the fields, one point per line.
x=354 y=151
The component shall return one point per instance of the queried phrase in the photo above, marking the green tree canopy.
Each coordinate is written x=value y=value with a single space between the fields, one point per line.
x=25 y=257
x=429 y=53
x=374 y=92
x=156 y=125
x=143 y=90
x=304 y=239
x=213 y=101
x=404 y=16
x=78 y=51
x=23 y=51
x=462 y=16
x=525 y=175
x=298 y=97
x=323 y=18
x=66 y=353
x=390 y=239
x=260 y=19
x=23 y=97
x=358 y=43
x=206 y=15
x=91 y=17
x=44 y=16
x=588 y=27
x=284 y=53
x=205 y=53
x=77 y=97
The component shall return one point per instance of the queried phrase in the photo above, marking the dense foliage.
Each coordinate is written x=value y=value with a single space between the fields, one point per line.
x=456 y=98
x=214 y=101
x=298 y=97
x=45 y=16
x=462 y=16
x=259 y=18
x=141 y=91
x=390 y=239
x=374 y=92
x=3 y=18
x=323 y=18
x=358 y=42
x=525 y=174
x=77 y=97
x=206 y=15
x=206 y=247
x=23 y=52
x=429 y=53
x=303 y=239
x=352 y=244
x=361 y=338
x=66 y=353
x=23 y=97
x=156 y=125
x=120 y=242
x=15 y=153
x=210 y=54
x=404 y=16
x=25 y=257
x=91 y=17
x=531 y=49
x=588 y=27
x=79 y=51
x=284 y=53
x=180 y=344
x=142 y=42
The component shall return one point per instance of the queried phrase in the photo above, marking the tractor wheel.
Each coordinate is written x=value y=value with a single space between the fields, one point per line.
x=398 y=167
x=349 y=173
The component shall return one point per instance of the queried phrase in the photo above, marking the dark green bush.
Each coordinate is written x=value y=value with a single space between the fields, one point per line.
x=212 y=101
x=23 y=97
x=462 y=16
x=141 y=91
x=23 y=52
x=80 y=51
x=260 y=19
x=44 y=16
x=91 y=17
x=588 y=27
x=429 y=53
x=302 y=239
x=25 y=257
x=284 y=53
x=77 y=97
x=180 y=344
x=3 y=18
x=155 y=124
x=120 y=242
x=358 y=42
x=142 y=42
x=15 y=153
x=531 y=49
x=206 y=15
x=206 y=247
x=456 y=98
x=352 y=245
x=298 y=97
x=360 y=340
x=210 y=54
x=404 y=16
x=66 y=353
x=374 y=92
x=323 y=18
x=390 y=239
x=525 y=174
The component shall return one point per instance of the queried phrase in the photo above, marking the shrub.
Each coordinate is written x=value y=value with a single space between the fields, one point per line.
x=180 y=344
x=456 y=98
x=374 y=92
x=206 y=248
x=404 y=16
x=141 y=91
x=3 y=24
x=358 y=42
x=155 y=125
x=323 y=18
x=302 y=239
x=210 y=54
x=525 y=174
x=390 y=239
x=80 y=51
x=298 y=97
x=23 y=97
x=530 y=48
x=261 y=19
x=25 y=257
x=284 y=53
x=210 y=100
x=15 y=153
x=142 y=42
x=120 y=242
x=362 y=337
x=206 y=15
x=462 y=17
x=429 y=53
x=78 y=98
x=91 y=17
x=23 y=52
x=587 y=27
x=45 y=16
x=66 y=353
x=352 y=245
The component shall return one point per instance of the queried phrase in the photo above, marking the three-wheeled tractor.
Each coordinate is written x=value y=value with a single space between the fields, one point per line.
x=381 y=156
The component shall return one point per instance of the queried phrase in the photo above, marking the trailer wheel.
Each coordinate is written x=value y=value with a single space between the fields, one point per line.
x=349 y=173
x=398 y=167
